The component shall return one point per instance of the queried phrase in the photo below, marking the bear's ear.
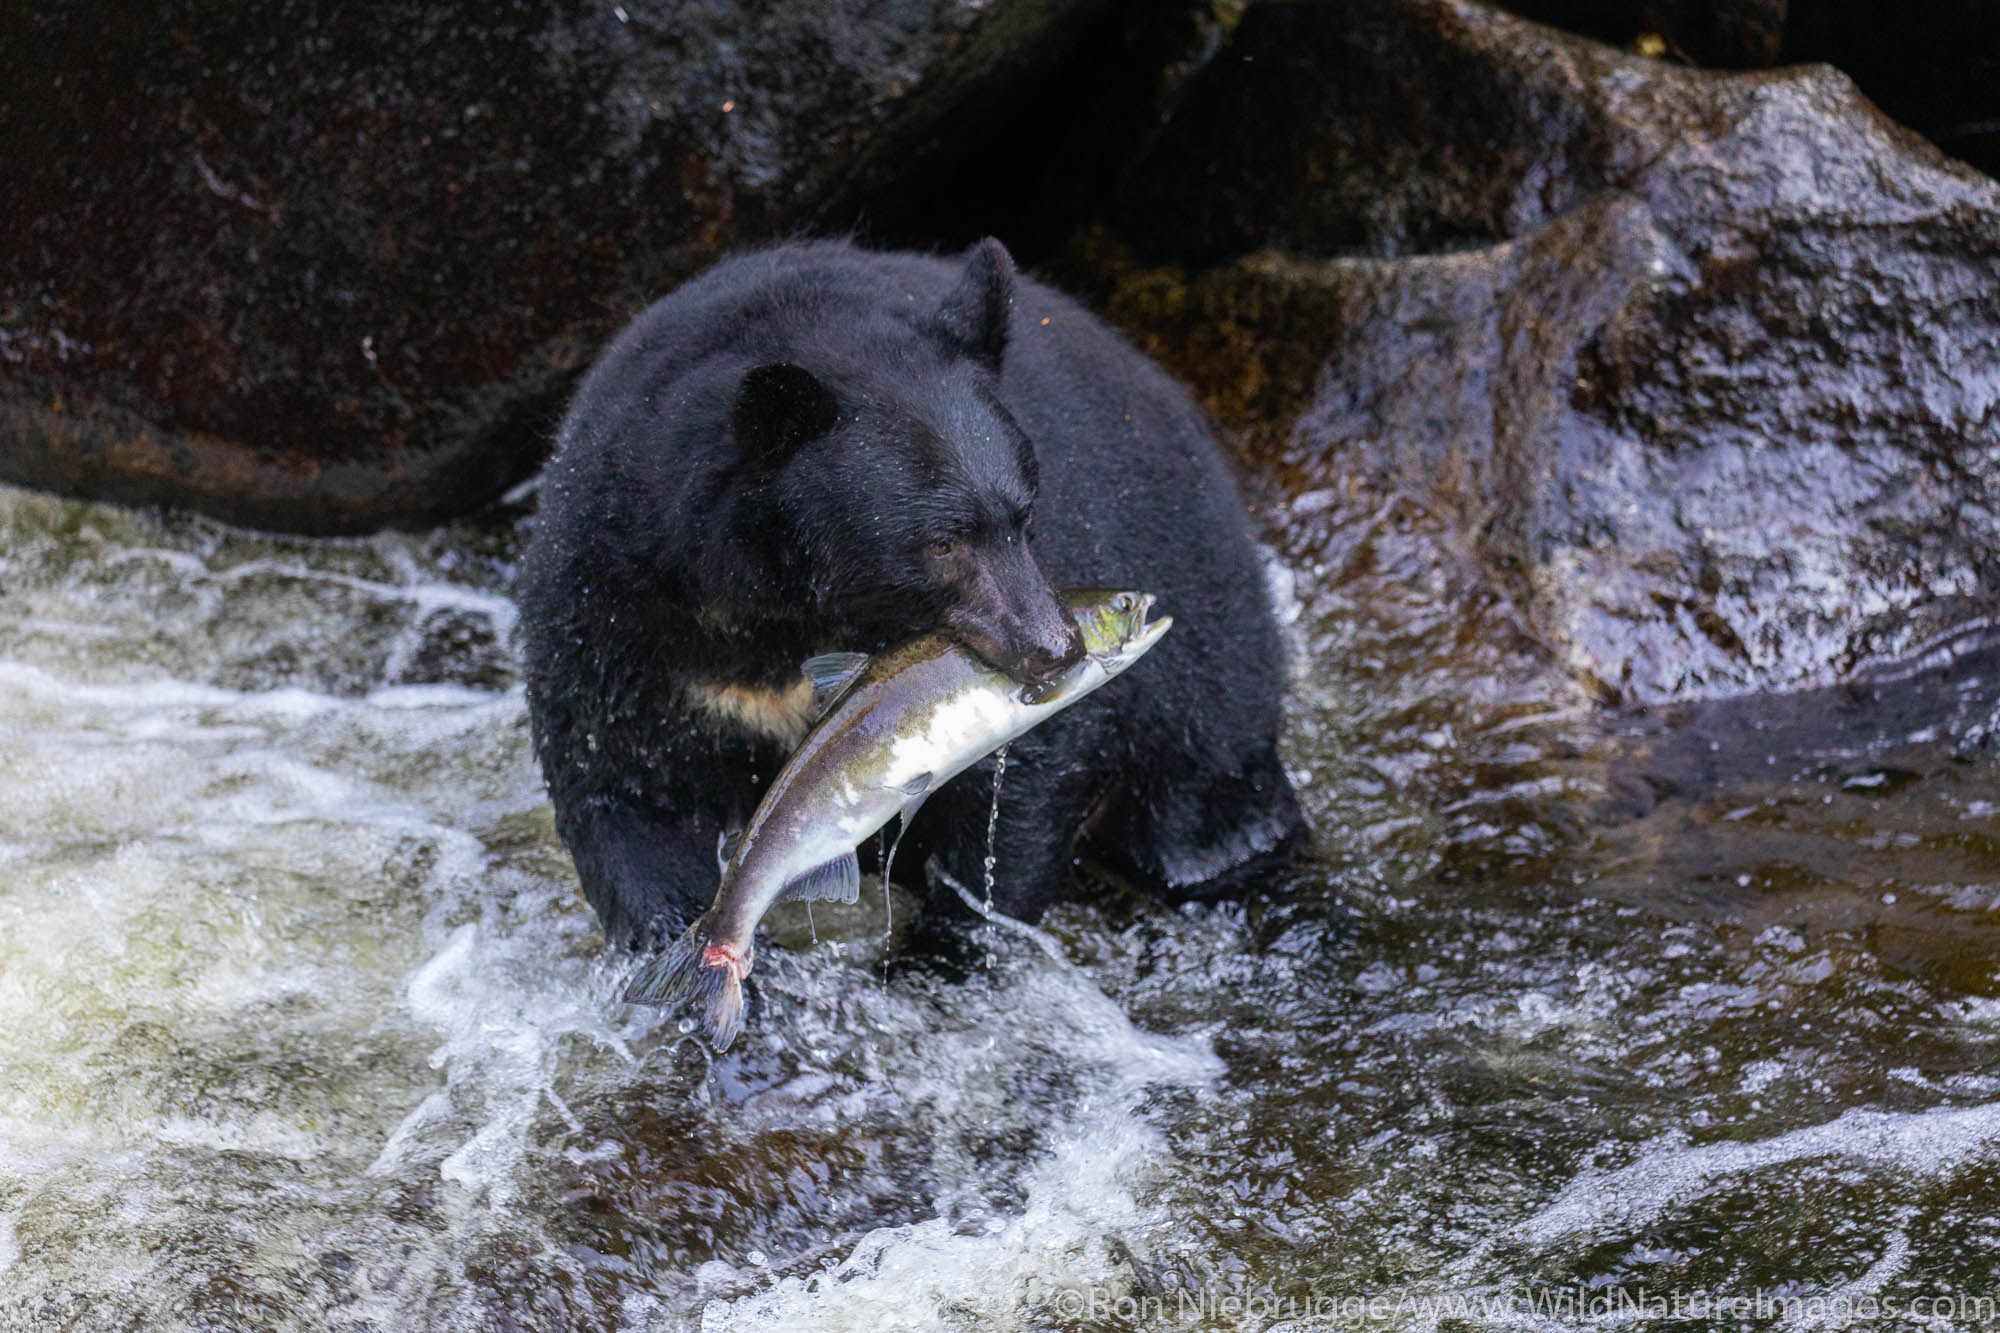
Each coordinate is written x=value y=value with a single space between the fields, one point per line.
x=778 y=408
x=974 y=316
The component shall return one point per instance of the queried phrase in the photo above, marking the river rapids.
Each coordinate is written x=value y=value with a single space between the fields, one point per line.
x=1573 y=1014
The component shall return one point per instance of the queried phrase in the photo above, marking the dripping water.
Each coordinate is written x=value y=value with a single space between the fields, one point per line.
x=992 y=832
x=888 y=902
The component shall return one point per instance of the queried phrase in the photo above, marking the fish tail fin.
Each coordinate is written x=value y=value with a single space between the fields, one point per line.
x=698 y=974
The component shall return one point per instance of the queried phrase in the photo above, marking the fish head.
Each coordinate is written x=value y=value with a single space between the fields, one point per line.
x=1113 y=623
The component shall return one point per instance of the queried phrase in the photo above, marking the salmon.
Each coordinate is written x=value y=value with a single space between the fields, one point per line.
x=895 y=728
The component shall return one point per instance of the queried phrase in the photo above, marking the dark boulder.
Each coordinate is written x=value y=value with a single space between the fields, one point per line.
x=326 y=268
x=1709 y=380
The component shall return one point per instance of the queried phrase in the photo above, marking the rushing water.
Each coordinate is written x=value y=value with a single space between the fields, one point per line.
x=303 y=1024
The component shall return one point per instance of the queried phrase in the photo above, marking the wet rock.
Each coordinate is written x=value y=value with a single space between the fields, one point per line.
x=1391 y=127
x=1935 y=69
x=325 y=269
x=1041 y=145
x=1709 y=380
x=1732 y=34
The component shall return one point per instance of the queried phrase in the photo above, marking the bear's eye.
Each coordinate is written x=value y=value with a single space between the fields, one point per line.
x=940 y=547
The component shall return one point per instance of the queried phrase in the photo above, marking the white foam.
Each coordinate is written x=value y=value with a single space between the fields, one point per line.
x=503 y=1008
x=931 y=1274
x=1281 y=593
x=1669 y=1173
x=424 y=595
x=1089 y=1197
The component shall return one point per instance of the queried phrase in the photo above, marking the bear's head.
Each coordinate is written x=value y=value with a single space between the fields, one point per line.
x=894 y=492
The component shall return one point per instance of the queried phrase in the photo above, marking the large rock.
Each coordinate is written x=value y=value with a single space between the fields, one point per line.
x=1732 y=34
x=1710 y=379
x=326 y=268
x=1935 y=68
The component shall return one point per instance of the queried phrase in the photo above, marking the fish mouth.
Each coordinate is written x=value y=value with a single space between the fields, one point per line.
x=1143 y=636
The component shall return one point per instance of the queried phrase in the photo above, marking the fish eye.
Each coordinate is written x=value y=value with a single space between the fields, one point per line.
x=1124 y=601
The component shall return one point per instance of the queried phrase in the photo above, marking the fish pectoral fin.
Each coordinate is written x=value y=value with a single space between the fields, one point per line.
x=838 y=880
x=726 y=844
x=915 y=792
x=831 y=674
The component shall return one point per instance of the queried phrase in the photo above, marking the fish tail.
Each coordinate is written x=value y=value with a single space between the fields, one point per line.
x=696 y=973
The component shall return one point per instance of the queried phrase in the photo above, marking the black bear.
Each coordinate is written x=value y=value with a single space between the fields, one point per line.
x=817 y=448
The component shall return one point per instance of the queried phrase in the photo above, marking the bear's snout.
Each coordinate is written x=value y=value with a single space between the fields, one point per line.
x=1030 y=652
x=1012 y=620
x=1049 y=652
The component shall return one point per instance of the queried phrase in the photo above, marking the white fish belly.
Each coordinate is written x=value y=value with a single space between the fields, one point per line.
x=958 y=731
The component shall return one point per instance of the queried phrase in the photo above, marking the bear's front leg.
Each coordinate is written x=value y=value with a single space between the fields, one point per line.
x=647 y=871
x=642 y=800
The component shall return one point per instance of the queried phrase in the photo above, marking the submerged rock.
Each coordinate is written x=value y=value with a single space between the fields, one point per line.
x=329 y=268
x=1710 y=380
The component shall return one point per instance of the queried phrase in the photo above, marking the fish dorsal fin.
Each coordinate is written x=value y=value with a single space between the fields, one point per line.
x=831 y=674
x=726 y=844
x=838 y=879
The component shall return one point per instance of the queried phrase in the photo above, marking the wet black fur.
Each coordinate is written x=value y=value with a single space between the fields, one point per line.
x=761 y=468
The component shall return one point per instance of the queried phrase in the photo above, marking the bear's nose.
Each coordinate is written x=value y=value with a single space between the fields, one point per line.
x=1057 y=648
x=1009 y=616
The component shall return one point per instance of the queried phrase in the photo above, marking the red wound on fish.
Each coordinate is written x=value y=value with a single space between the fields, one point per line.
x=721 y=955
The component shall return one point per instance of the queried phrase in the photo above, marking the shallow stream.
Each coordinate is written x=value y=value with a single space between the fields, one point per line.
x=1576 y=1020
